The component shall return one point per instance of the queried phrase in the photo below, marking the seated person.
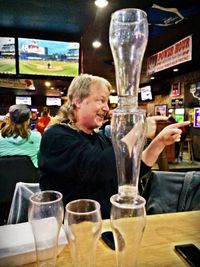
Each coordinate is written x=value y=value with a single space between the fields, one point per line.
x=106 y=128
x=43 y=121
x=16 y=139
x=79 y=162
x=33 y=120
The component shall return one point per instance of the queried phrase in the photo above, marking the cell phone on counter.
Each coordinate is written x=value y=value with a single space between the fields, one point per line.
x=108 y=238
x=190 y=253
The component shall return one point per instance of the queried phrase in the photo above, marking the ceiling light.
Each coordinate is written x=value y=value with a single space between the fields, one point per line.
x=175 y=70
x=96 y=44
x=47 y=84
x=101 y=3
x=152 y=78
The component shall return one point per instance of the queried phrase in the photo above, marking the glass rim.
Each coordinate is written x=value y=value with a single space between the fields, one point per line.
x=124 y=206
x=128 y=9
x=46 y=202
x=97 y=208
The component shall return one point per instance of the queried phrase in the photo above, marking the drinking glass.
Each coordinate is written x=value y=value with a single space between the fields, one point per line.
x=83 y=225
x=128 y=35
x=128 y=220
x=45 y=215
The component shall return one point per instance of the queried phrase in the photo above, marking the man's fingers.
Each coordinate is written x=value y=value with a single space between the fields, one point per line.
x=178 y=124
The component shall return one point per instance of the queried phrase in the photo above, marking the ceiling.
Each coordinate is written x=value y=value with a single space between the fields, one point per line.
x=82 y=20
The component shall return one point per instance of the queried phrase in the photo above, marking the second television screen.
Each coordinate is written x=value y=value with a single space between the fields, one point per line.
x=46 y=57
x=7 y=55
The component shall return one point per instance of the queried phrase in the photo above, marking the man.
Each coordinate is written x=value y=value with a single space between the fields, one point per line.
x=79 y=162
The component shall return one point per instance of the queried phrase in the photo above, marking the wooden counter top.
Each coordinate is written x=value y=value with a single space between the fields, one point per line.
x=162 y=233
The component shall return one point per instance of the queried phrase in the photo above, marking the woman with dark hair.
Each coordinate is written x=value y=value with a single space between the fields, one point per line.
x=16 y=139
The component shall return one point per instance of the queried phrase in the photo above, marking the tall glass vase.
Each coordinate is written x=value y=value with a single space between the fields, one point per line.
x=128 y=39
x=128 y=36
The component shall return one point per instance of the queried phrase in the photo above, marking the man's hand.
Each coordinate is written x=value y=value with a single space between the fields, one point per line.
x=151 y=125
x=167 y=136
x=171 y=133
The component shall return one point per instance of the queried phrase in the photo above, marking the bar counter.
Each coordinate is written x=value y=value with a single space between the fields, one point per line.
x=162 y=233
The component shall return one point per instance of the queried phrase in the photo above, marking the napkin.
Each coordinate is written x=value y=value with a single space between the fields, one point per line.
x=17 y=244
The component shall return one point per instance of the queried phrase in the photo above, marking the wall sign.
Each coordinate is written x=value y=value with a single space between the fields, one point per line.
x=173 y=55
x=196 y=117
x=25 y=84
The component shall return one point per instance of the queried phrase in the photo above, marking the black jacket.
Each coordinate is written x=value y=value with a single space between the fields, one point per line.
x=79 y=165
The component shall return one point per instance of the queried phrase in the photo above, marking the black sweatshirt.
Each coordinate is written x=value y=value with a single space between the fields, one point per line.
x=79 y=165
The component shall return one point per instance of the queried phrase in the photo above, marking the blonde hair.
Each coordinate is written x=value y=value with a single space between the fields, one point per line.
x=79 y=88
x=16 y=129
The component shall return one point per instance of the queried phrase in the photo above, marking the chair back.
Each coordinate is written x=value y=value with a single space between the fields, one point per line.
x=14 y=169
x=167 y=192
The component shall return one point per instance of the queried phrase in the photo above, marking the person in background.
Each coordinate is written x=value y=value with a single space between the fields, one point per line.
x=3 y=120
x=33 y=120
x=106 y=128
x=43 y=121
x=79 y=162
x=61 y=116
x=16 y=139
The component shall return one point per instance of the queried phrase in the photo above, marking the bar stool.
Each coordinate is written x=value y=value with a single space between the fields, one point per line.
x=187 y=144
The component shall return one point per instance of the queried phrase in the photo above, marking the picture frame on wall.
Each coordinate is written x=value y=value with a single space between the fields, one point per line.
x=160 y=110
x=176 y=89
x=177 y=103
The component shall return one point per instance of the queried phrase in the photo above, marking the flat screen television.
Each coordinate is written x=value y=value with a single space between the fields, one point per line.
x=23 y=100
x=7 y=55
x=53 y=101
x=49 y=58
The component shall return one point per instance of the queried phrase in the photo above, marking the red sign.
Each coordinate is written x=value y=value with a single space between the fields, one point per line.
x=25 y=84
x=176 y=54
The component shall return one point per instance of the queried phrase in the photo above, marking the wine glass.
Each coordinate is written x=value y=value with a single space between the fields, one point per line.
x=83 y=225
x=128 y=220
x=45 y=215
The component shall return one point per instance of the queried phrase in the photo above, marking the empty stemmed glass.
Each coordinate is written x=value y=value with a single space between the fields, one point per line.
x=83 y=227
x=45 y=215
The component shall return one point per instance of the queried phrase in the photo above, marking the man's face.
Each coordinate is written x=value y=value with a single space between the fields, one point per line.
x=92 y=110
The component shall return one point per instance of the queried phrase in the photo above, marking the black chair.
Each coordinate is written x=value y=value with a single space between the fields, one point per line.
x=14 y=169
x=167 y=192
